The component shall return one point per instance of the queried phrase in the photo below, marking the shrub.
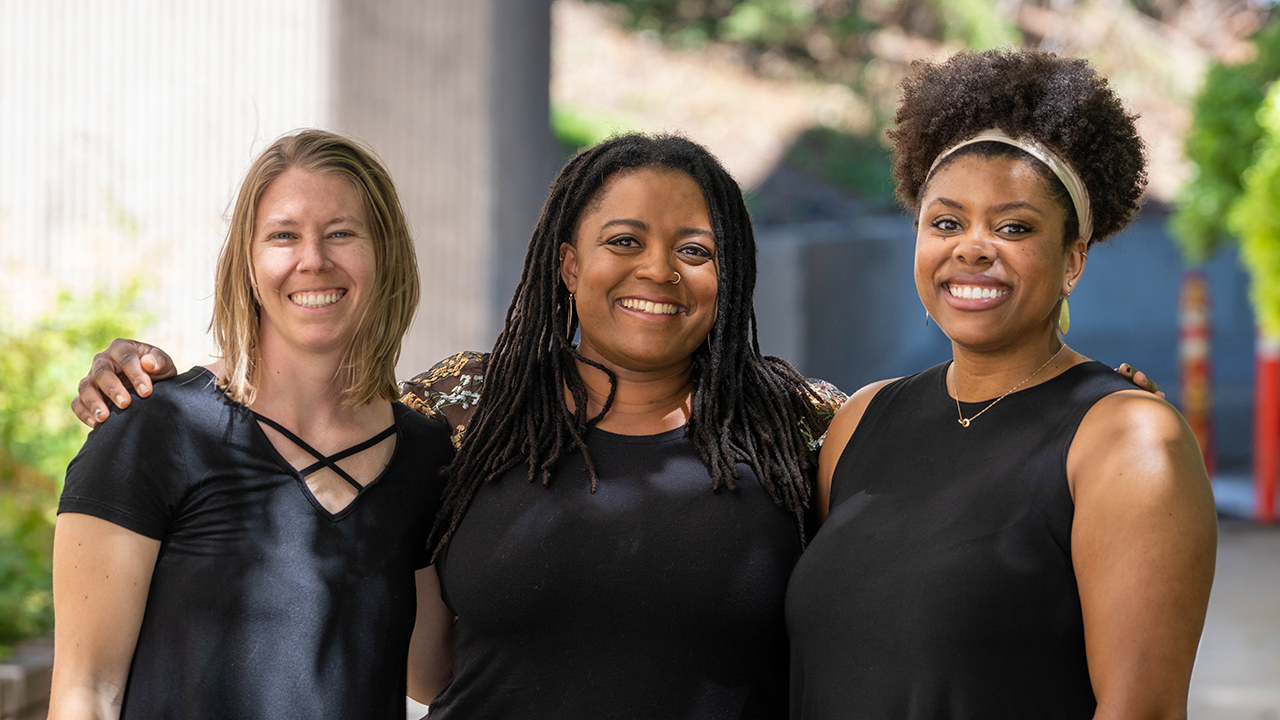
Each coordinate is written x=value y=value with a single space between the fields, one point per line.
x=39 y=367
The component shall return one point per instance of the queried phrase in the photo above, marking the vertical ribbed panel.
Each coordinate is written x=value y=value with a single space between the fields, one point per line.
x=409 y=78
x=127 y=127
x=129 y=124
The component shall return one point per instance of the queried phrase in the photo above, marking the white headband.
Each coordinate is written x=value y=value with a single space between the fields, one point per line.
x=1069 y=178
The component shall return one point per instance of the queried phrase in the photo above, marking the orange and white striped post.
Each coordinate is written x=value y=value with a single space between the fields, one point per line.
x=1266 y=427
x=1194 y=346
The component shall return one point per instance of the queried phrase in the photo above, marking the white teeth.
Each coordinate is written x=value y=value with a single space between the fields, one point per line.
x=651 y=308
x=971 y=292
x=317 y=299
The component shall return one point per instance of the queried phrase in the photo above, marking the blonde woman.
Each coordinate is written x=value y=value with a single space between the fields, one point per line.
x=246 y=544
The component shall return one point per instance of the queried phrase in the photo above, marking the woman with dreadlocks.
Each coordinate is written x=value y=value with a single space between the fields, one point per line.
x=623 y=514
x=1015 y=533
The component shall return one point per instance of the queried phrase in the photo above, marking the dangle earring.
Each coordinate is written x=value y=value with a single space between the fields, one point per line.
x=1064 y=314
x=926 y=318
x=568 y=320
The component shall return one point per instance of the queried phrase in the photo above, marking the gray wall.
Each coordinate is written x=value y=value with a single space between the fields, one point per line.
x=454 y=97
x=838 y=300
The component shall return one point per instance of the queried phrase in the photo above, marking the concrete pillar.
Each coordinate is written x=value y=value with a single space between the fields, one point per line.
x=454 y=98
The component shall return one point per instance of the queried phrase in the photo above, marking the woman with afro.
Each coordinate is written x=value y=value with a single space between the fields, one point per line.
x=1018 y=532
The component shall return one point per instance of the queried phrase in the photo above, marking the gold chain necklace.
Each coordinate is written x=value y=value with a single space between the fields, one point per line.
x=964 y=421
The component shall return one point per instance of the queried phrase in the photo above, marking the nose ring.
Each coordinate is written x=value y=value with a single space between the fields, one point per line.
x=677 y=280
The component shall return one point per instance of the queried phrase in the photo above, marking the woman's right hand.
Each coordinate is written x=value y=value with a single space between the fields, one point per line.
x=124 y=361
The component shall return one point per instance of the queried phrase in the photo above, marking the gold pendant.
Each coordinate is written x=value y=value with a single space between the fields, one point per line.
x=964 y=422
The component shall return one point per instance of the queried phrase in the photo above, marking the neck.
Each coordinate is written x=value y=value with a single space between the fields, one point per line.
x=300 y=390
x=978 y=375
x=645 y=403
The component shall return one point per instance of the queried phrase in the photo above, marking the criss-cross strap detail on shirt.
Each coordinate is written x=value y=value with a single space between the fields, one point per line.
x=330 y=461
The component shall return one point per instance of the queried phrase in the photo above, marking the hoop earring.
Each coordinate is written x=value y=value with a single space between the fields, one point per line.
x=568 y=320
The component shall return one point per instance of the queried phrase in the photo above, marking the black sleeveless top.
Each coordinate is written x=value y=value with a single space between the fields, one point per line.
x=941 y=584
x=652 y=597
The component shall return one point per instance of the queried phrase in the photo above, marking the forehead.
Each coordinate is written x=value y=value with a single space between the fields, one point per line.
x=299 y=191
x=999 y=179
x=653 y=188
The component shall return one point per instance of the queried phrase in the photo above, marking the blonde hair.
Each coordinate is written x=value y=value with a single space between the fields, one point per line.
x=368 y=365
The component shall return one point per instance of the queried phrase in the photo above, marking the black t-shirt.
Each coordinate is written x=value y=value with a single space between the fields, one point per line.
x=653 y=597
x=941 y=584
x=263 y=604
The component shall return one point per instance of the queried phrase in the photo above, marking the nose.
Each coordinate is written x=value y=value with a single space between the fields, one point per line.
x=313 y=255
x=656 y=265
x=974 y=247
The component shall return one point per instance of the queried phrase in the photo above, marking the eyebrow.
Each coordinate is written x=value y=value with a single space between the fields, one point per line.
x=1003 y=207
x=290 y=222
x=641 y=225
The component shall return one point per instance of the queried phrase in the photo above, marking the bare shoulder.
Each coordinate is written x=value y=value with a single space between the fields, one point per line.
x=1133 y=443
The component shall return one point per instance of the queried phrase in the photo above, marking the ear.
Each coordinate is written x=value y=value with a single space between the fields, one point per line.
x=1077 y=256
x=569 y=266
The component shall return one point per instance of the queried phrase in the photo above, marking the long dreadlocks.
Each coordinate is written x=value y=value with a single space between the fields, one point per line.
x=746 y=407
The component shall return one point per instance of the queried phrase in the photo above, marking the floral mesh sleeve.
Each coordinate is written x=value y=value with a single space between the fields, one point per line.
x=829 y=399
x=448 y=391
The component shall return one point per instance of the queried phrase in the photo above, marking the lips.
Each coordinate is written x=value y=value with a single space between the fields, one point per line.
x=649 y=307
x=317 y=298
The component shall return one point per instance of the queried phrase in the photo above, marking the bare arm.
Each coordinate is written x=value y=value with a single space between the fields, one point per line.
x=101 y=577
x=124 y=361
x=838 y=433
x=1143 y=543
x=430 y=656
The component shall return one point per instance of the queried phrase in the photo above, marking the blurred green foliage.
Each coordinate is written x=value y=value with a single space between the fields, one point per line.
x=824 y=37
x=1222 y=144
x=798 y=28
x=40 y=365
x=853 y=163
x=577 y=128
x=979 y=24
x=1255 y=218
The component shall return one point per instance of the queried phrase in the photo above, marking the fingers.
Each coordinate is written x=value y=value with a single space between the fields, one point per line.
x=1147 y=383
x=82 y=411
x=123 y=364
x=157 y=364
x=103 y=384
x=1140 y=379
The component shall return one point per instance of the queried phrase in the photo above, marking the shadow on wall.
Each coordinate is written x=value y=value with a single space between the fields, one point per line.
x=838 y=300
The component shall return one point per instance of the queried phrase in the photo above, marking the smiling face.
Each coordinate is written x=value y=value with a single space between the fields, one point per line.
x=643 y=228
x=990 y=261
x=313 y=261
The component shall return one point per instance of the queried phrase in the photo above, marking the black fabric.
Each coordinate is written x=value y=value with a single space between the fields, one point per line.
x=263 y=604
x=653 y=597
x=941 y=584
x=329 y=461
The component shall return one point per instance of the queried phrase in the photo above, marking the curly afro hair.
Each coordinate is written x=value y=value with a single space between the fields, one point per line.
x=1060 y=102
